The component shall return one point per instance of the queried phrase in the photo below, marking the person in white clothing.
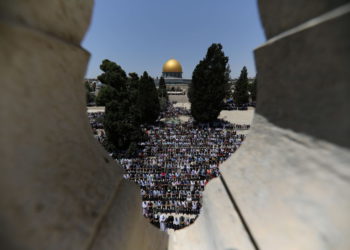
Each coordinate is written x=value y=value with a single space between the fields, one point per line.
x=162 y=219
x=144 y=207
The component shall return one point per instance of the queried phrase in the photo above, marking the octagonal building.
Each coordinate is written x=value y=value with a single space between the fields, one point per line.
x=172 y=74
x=172 y=69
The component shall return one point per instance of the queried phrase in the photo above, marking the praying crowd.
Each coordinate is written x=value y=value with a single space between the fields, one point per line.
x=96 y=123
x=175 y=163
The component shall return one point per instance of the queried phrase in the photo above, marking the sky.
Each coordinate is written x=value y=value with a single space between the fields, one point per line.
x=141 y=35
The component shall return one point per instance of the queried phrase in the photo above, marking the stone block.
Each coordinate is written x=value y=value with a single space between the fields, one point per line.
x=67 y=20
x=125 y=227
x=217 y=227
x=280 y=15
x=56 y=181
x=303 y=81
x=292 y=189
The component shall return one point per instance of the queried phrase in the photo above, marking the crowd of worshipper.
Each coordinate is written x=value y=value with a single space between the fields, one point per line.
x=96 y=123
x=176 y=162
x=96 y=120
x=173 y=112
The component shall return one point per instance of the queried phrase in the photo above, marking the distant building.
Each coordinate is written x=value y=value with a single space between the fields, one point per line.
x=95 y=84
x=172 y=69
x=172 y=73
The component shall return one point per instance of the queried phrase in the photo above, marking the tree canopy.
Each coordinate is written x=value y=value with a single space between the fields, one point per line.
x=121 y=126
x=114 y=79
x=106 y=95
x=129 y=102
x=253 y=89
x=240 y=94
x=163 y=95
x=113 y=75
x=119 y=95
x=147 y=101
x=209 y=85
x=133 y=86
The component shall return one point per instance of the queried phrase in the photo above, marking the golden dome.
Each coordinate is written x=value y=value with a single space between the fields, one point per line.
x=172 y=66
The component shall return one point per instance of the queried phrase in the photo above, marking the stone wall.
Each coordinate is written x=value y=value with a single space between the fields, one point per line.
x=288 y=186
x=58 y=187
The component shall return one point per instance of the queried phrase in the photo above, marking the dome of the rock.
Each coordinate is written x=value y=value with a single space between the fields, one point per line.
x=172 y=66
x=172 y=69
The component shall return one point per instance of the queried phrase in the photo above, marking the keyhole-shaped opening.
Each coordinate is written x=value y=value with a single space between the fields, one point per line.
x=173 y=146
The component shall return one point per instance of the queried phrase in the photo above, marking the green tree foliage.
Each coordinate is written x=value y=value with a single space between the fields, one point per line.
x=118 y=95
x=93 y=86
x=87 y=86
x=114 y=79
x=163 y=95
x=162 y=89
x=147 y=101
x=121 y=126
x=90 y=97
x=106 y=95
x=253 y=89
x=133 y=86
x=130 y=101
x=240 y=94
x=133 y=93
x=113 y=75
x=209 y=85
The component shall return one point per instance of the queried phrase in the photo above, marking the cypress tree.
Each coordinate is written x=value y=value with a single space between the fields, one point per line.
x=163 y=95
x=147 y=101
x=114 y=78
x=253 y=89
x=209 y=85
x=162 y=89
x=240 y=94
x=133 y=86
x=113 y=75
x=121 y=121
x=106 y=95
x=121 y=128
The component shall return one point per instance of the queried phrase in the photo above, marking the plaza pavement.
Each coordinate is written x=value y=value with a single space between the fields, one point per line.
x=232 y=116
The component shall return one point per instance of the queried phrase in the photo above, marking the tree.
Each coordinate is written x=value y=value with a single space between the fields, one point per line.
x=114 y=79
x=122 y=130
x=93 y=86
x=162 y=89
x=163 y=95
x=119 y=95
x=87 y=86
x=133 y=84
x=130 y=101
x=147 y=101
x=90 y=97
x=240 y=94
x=133 y=87
x=209 y=85
x=253 y=89
x=113 y=75
x=106 y=95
